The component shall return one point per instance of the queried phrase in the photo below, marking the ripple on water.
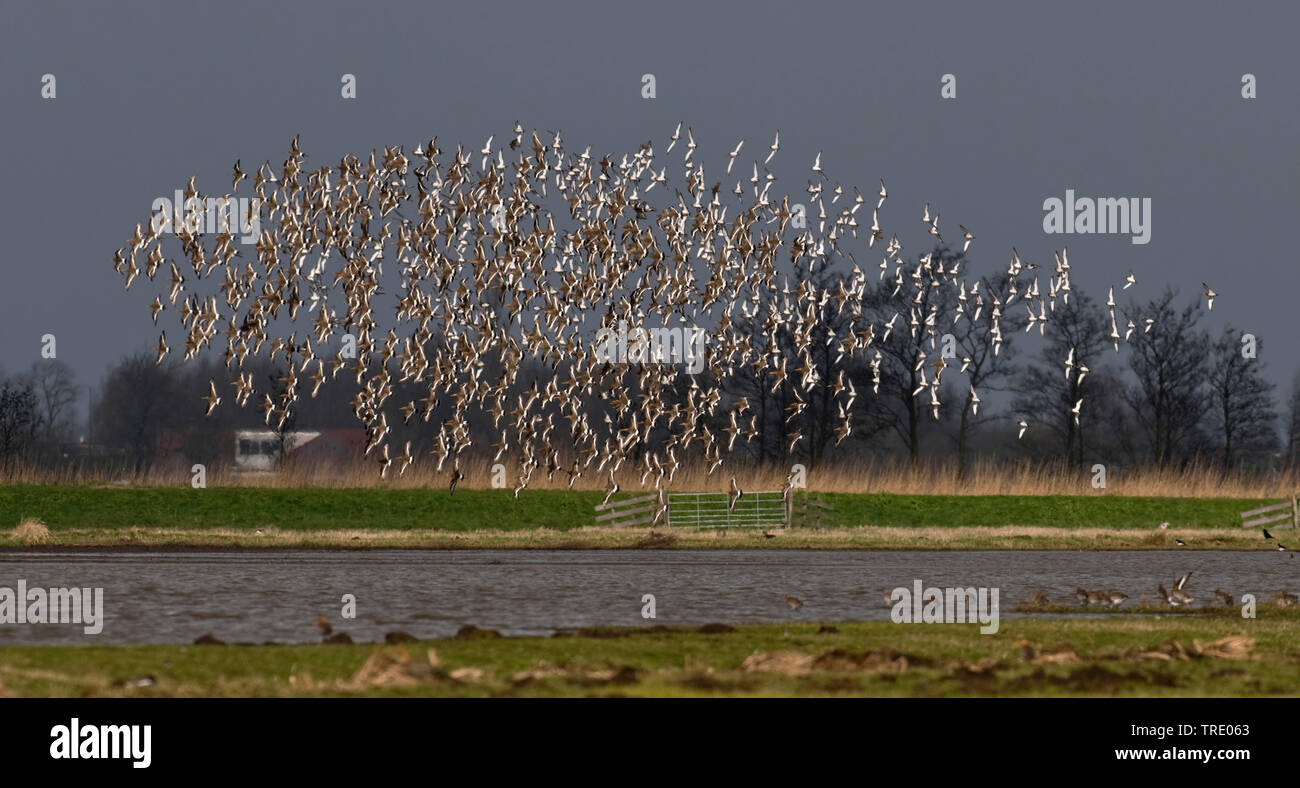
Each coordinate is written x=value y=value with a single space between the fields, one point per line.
x=251 y=596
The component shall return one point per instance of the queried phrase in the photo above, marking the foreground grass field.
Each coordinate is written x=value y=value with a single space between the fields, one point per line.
x=1220 y=655
x=85 y=515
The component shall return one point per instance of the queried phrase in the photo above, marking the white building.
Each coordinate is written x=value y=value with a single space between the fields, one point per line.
x=259 y=450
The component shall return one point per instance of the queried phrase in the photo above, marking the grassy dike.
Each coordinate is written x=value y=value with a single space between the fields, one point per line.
x=84 y=515
x=1170 y=655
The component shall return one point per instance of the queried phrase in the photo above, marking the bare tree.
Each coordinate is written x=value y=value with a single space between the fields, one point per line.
x=907 y=307
x=753 y=381
x=53 y=383
x=985 y=344
x=282 y=419
x=18 y=420
x=823 y=353
x=1293 y=423
x=136 y=404
x=1169 y=360
x=1050 y=391
x=1242 y=409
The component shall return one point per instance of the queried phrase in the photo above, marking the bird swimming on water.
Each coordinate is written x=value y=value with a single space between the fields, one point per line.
x=1176 y=596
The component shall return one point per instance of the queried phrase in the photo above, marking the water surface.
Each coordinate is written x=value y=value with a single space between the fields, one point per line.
x=256 y=596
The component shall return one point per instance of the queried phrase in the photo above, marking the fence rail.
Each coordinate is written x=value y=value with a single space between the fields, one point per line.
x=641 y=510
x=811 y=511
x=1278 y=515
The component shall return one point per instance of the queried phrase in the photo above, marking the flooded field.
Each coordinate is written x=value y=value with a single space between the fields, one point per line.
x=258 y=596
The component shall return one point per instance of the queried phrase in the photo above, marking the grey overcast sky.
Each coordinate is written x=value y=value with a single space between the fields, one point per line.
x=1111 y=99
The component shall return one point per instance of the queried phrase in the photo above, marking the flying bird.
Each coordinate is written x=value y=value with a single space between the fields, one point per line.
x=483 y=320
x=161 y=347
x=731 y=157
x=213 y=399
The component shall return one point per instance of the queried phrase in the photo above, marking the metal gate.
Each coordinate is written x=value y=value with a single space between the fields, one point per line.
x=762 y=509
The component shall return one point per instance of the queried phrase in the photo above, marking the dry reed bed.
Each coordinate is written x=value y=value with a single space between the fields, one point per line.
x=1033 y=479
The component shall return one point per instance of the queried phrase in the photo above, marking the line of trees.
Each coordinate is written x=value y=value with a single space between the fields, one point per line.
x=37 y=413
x=1173 y=394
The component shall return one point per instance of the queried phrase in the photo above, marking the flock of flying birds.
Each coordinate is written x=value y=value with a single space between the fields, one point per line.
x=486 y=277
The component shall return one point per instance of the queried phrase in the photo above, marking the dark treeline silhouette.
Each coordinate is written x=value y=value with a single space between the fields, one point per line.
x=37 y=419
x=1157 y=390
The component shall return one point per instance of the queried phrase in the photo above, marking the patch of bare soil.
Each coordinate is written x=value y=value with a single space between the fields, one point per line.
x=793 y=663
x=655 y=540
x=581 y=675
